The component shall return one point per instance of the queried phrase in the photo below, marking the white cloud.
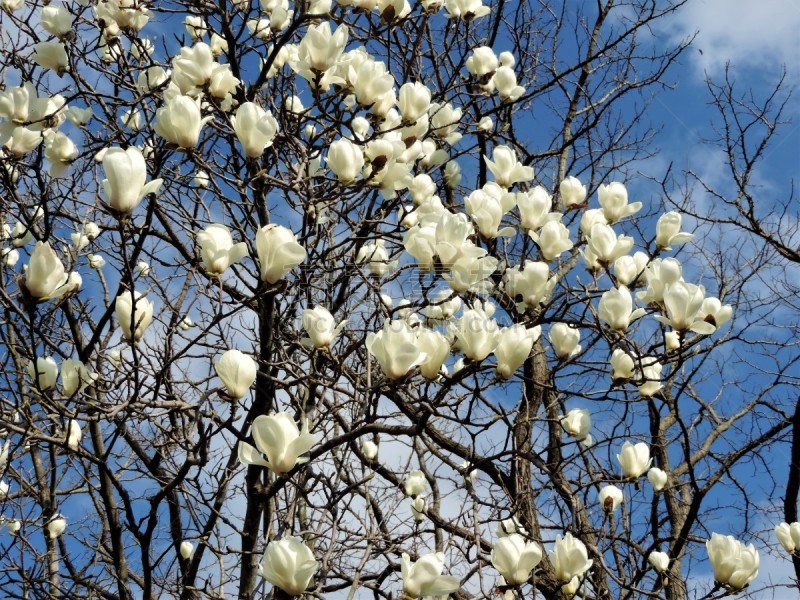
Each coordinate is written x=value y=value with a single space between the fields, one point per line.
x=752 y=35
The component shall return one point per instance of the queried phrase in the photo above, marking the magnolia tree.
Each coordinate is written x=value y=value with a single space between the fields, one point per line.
x=350 y=300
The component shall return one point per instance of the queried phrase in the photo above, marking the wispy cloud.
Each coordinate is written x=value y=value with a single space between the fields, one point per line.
x=749 y=35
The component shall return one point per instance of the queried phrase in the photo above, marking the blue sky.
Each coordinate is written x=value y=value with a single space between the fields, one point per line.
x=757 y=39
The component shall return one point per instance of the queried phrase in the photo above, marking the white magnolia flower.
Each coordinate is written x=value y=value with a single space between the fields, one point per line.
x=534 y=208
x=56 y=20
x=659 y=561
x=60 y=151
x=436 y=348
x=577 y=423
x=279 y=440
x=45 y=277
x=376 y=257
x=51 y=55
x=396 y=349
x=289 y=565
x=572 y=192
x=657 y=478
x=179 y=121
x=424 y=577
x=345 y=159
x=126 y=173
x=515 y=558
x=75 y=376
x=505 y=81
x=74 y=435
x=660 y=274
x=788 y=535
x=530 y=286
x=650 y=375
x=414 y=483
x=569 y=558
x=552 y=239
x=320 y=326
x=629 y=270
x=683 y=302
x=44 y=372
x=668 y=231
x=616 y=308
x=482 y=62
x=370 y=449
x=506 y=168
x=186 y=549
x=217 y=249
x=237 y=371
x=634 y=459
x=514 y=345
x=476 y=333
x=565 y=338
x=413 y=100
x=419 y=507
x=471 y=270
x=278 y=252
x=614 y=201
x=623 y=367
x=255 y=128
x=55 y=526
x=134 y=309
x=735 y=565
x=610 y=498
x=466 y=10
x=444 y=120
x=487 y=207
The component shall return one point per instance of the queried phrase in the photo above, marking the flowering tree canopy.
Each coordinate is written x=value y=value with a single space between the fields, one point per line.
x=366 y=300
